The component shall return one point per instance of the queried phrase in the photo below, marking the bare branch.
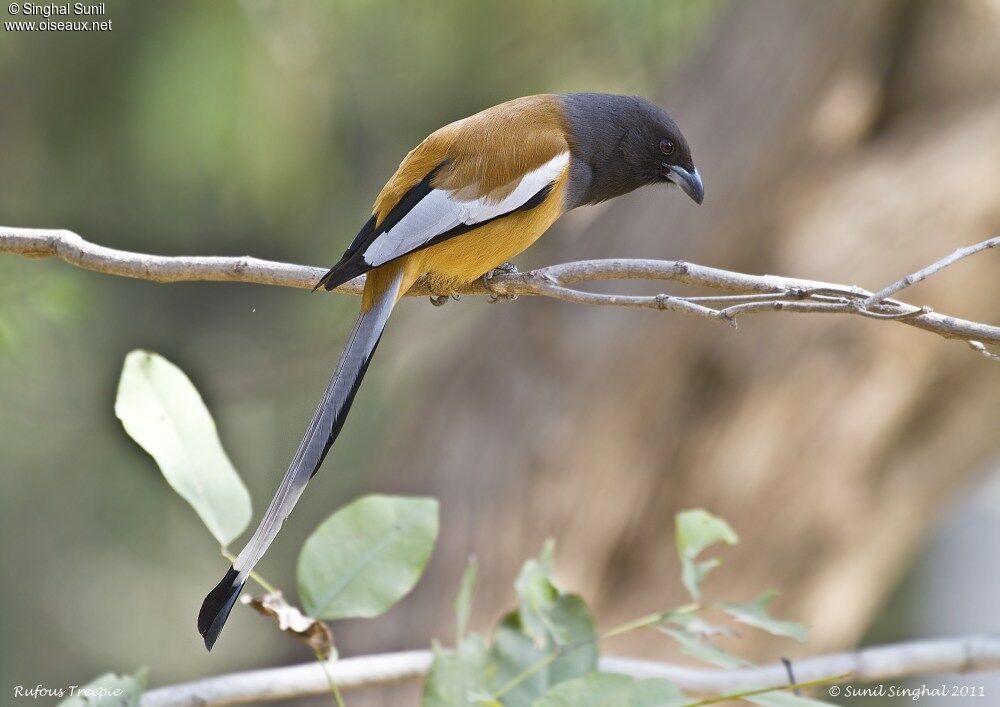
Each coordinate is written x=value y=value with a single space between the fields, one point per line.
x=747 y=294
x=925 y=273
x=43 y=243
x=880 y=663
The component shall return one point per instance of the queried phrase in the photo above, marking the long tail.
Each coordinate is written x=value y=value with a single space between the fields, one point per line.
x=319 y=437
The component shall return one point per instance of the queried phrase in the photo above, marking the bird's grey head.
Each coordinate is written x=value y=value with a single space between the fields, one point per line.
x=621 y=143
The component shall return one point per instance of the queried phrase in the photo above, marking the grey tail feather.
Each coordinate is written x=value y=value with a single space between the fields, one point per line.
x=323 y=429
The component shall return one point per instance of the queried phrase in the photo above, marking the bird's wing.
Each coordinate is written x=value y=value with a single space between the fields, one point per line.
x=442 y=213
x=464 y=175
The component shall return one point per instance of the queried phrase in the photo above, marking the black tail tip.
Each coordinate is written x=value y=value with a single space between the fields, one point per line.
x=216 y=607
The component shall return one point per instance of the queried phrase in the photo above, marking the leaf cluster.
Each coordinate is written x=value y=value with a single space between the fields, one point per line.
x=368 y=555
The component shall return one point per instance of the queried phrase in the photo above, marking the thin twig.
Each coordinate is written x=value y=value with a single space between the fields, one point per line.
x=978 y=347
x=759 y=293
x=791 y=672
x=795 y=687
x=876 y=664
x=925 y=273
x=264 y=584
x=334 y=690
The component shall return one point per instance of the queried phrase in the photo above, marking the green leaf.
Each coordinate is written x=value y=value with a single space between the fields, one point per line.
x=109 y=689
x=536 y=592
x=692 y=645
x=613 y=690
x=463 y=602
x=568 y=650
x=366 y=556
x=755 y=614
x=163 y=412
x=697 y=530
x=458 y=677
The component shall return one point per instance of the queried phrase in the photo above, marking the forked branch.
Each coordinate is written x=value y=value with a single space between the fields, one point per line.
x=744 y=294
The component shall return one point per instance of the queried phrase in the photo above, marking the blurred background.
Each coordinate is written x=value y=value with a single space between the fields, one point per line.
x=848 y=141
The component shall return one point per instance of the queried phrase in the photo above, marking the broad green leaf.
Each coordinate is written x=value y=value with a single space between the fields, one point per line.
x=366 y=556
x=536 y=593
x=458 y=677
x=613 y=690
x=463 y=602
x=697 y=530
x=694 y=646
x=109 y=689
x=568 y=650
x=755 y=614
x=163 y=412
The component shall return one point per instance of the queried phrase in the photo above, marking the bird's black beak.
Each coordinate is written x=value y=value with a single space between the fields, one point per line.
x=689 y=182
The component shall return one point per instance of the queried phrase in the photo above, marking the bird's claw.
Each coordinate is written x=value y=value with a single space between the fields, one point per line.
x=506 y=269
x=439 y=300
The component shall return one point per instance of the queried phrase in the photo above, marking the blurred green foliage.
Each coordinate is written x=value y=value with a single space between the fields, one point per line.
x=222 y=128
x=369 y=554
x=545 y=652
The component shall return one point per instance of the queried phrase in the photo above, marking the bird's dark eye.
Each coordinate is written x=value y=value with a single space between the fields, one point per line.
x=667 y=147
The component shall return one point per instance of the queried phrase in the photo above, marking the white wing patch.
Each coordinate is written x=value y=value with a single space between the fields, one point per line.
x=440 y=211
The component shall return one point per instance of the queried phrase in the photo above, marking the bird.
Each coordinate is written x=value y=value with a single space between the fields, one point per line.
x=464 y=202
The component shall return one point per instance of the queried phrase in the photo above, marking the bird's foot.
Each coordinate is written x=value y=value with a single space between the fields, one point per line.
x=439 y=300
x=505 y=269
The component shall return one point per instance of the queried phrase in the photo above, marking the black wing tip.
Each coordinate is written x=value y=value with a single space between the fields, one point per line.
x=342 y=272
x=216 y=607
x=326 y=281
x=323 y=282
